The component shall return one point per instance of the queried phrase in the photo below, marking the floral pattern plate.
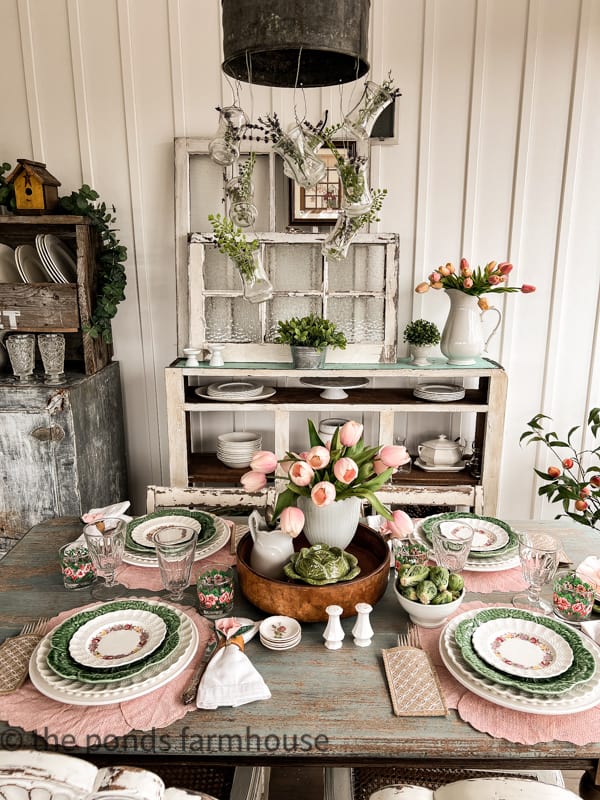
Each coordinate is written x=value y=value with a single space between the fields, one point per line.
x=64 y=665
x=491 y=563
x=140 y=531
x=117 y=638
x=148 y=558
x=521 y=647
x=581 y=670
x=493 y=538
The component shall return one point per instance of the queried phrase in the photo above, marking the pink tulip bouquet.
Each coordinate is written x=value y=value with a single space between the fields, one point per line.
x=342 y=468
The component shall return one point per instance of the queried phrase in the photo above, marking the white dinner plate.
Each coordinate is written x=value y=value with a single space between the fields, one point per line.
x=41 y=775
x=202 y=551
x=144 y=532
x=490 y=564
x=441 y=467
x=235 y=389
x=580 y=697
x=117 y=638
x=522 y=647
x=8 y=266
x=29 y=265
x=46 y=260
x=61 y=257
x=267 y=391
x=487 y=536
x=76 y=693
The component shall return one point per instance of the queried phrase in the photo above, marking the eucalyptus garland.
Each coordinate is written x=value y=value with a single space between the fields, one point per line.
x=111 y=273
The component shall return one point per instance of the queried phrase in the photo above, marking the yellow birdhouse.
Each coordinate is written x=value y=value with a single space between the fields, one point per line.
x=36 y=190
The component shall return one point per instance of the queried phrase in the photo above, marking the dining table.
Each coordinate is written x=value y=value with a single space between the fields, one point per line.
x=327 y=707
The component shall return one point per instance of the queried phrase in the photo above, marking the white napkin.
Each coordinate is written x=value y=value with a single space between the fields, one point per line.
x=230 y=679
x=592 y=629
x=589 y=570
x=117 y=511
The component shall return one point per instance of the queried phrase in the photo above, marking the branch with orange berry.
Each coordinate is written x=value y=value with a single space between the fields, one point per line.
x=478 y=281
x=576 y=482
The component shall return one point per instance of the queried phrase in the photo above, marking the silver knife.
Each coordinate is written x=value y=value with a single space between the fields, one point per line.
x=189 y=693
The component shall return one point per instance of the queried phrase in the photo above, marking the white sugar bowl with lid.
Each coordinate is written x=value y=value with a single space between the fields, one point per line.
x=440 y=452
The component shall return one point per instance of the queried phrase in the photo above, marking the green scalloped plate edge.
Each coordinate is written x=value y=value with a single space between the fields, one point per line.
x=581 y=670
x=513 y=540
x=207 y=533
x=60 y=661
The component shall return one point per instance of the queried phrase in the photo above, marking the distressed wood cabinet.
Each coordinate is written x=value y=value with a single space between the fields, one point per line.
x=194 y=423
x=61 y=449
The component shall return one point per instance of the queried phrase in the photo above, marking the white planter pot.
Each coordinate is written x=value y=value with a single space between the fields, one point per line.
x=333 y=525
x=420 y=353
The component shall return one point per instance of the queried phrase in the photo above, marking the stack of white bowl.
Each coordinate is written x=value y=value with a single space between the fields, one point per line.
x=237 y=448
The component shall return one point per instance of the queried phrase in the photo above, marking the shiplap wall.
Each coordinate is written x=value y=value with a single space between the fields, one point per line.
x=496 y=157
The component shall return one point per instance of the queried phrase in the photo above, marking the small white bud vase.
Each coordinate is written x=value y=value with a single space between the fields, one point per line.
x=362 y=630
x=334 y=633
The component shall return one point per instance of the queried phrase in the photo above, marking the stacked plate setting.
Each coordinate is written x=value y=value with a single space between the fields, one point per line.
x=439 y=392
x=522 y=661
x=114 y=652
x=236 y=449
x=57 y=259
x=495 y=544
x=234 y=390
x=280 y=633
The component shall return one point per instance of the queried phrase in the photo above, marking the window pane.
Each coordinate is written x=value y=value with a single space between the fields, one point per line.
x=363 y=270
x=361 y=318
x=286 y=307
x=232 y=320
x=294 y=267
x=219 y=272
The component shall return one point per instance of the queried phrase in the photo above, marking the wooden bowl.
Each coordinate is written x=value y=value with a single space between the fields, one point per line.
x=307 y=603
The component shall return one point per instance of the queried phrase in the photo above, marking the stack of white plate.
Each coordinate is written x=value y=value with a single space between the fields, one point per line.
x=57 y=259
x=29 y=265
x=280 y=633
x=439 y=392
x=234 y=390
x=8 y=266
x=236 y=449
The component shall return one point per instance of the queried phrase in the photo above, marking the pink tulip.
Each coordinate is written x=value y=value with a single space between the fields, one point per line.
x=253 y=481
x=444 y=270
x=264 y=461
x=318 y=457
x=345 y=470
x=505 y=267
x=527 y=288
x=464 y=267
x=468 y=283
x=350 y=433
x=286 y=466
x=435 y=277
x=291 y=521
x=399 y=527
x=450 y=268
x=323 y=493
x=394 y=455
x=379 y=466
x=422 y=288
x=301 y=473
x=494 y=280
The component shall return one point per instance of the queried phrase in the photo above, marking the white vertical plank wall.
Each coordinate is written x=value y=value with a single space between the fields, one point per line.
x=495 y=157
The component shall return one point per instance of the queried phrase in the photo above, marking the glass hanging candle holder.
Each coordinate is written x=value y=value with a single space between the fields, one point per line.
x=361 y=119
x=257 y=286
x=224 y=149
x=357 y=197
x=336 y=245
x=300 y=162
x=240 y=193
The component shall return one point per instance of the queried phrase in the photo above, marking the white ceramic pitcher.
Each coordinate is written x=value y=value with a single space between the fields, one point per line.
x=272 y=549
x=462 y=338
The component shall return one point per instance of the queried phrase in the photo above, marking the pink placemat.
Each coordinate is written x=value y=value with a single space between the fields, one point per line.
x=509 y=580
x=92 y=726
x=503 y=723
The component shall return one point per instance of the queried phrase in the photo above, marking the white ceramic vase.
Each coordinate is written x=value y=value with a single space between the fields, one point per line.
x=420 y=354
x=333 y=525
x=462 y=338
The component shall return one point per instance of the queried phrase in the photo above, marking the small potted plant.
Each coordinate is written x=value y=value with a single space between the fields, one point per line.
x=309 y=337
x=421 y=335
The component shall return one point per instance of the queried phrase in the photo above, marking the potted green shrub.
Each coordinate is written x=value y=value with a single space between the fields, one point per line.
x=309 y=337
x=421 y=335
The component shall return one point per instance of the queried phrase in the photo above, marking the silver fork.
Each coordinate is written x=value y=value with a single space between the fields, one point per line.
x=36 y=627
x=410 y=638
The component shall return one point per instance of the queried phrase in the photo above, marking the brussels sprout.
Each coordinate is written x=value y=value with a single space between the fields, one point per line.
x=409 y=592
x=439 y=576
x=426 y=591
x=456 y=583
x=443 y=597
x=410 y=575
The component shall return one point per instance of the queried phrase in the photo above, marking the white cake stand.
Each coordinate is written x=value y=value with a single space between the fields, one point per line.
x=334 y=387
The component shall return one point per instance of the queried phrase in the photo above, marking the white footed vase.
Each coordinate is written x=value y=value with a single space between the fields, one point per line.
x=333 y=525
x=462 y=338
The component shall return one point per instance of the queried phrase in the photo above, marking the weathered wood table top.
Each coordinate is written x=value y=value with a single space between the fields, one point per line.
x=333 y=706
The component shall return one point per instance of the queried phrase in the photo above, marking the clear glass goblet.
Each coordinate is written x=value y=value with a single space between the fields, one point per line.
x=538 y=553
x=21 y=352
x=52 y=350
x=106 y=543
x=175 y=550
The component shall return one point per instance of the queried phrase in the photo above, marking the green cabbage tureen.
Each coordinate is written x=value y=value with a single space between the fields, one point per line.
x=321 y=564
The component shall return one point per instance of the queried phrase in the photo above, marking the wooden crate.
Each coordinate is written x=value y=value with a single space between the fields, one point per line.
x=54 y=307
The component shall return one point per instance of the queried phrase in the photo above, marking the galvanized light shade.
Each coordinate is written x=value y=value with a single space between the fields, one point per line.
x=287 y=43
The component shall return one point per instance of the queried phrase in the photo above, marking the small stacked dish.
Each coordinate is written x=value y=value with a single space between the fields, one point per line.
x=235 y=391
x=439 y=392
x=236 y=449
x=280 y=633
x=57 y=259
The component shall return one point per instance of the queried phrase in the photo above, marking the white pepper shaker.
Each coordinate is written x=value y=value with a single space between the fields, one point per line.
x=334 y=633
x=362 y=630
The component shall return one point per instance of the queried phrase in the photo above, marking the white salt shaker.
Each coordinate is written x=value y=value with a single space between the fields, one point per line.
x=334 y=633
x=362 y=630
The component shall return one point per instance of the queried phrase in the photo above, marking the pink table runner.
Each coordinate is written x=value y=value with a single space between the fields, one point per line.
x=516 y=726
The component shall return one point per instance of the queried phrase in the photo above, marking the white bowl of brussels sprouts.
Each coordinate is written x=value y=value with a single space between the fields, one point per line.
x=428 y=594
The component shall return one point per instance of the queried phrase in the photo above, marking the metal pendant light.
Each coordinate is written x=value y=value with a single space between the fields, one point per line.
x=289 y=43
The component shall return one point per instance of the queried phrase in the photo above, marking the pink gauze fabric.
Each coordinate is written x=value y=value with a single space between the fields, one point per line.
x=504 y=723
x=93 y=725
x=509 y=580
